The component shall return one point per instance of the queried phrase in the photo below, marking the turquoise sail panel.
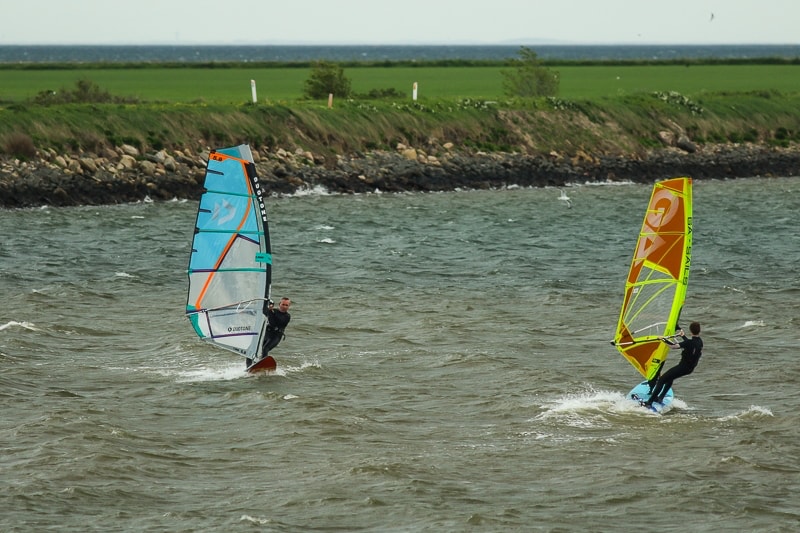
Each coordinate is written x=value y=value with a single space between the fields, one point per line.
x=230 y=266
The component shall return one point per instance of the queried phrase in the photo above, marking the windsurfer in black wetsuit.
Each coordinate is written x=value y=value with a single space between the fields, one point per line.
x=277 y=320
x=690 y=356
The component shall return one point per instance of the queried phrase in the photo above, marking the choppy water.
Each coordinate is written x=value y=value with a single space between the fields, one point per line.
x=447 y=369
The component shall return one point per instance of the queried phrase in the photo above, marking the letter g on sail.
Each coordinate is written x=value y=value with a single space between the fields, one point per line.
x=663 y=208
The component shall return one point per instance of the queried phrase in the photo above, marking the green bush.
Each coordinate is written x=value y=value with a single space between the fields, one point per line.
x=530 y=78
x=327 y=78
x=375 y=94
x=85 y=92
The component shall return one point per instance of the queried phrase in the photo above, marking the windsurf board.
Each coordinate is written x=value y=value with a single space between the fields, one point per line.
x=641 y=393
x=267 y=364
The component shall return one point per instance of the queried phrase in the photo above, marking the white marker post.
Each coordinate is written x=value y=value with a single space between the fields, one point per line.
x=414 y=92
x=330 y=100
x=253 y=90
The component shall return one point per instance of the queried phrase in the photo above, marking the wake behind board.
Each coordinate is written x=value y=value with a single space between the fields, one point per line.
x=267 y=364
x=641 y=392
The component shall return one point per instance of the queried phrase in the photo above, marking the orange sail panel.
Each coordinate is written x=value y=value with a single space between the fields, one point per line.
x=655 y=288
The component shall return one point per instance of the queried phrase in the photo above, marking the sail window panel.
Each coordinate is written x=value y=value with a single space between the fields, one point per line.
x=224 y=289
x=650 y=273
x=236 y=328
x=198 y=281
x=648 y=309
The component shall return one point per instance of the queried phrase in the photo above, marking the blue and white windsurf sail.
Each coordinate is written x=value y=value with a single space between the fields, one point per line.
x=230 y=267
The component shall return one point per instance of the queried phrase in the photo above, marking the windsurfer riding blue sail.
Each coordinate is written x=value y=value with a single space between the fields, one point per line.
x=230 y=266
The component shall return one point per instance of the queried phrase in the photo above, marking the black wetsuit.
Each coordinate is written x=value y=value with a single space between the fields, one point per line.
x=277 y=321
x=690 y=356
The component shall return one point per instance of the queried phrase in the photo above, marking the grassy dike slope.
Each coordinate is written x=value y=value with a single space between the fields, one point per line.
x=627 y=125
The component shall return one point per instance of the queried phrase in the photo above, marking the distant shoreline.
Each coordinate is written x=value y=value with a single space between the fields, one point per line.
x=88 y=53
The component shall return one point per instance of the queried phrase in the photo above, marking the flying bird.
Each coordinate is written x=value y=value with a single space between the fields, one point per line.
x=712 y=17
x=565 y=198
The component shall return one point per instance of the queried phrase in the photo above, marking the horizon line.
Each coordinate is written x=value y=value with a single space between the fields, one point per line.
x=370 y=44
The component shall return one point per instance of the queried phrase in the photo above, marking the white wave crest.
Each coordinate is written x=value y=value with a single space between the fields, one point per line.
x=24 y=325
x=754 y=411
x=317 y=190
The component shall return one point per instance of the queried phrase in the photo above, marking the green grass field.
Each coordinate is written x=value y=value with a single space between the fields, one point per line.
x=232 y=85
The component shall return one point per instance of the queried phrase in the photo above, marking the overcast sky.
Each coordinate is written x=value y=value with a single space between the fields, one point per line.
x=400 y=22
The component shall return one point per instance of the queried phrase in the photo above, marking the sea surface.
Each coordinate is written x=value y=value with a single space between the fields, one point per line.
x=447 y=368
x=300 y=53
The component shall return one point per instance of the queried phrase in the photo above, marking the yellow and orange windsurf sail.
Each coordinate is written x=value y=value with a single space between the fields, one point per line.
x=656 y=285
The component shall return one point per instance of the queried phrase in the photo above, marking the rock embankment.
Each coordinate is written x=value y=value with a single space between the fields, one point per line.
x=125 y=175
